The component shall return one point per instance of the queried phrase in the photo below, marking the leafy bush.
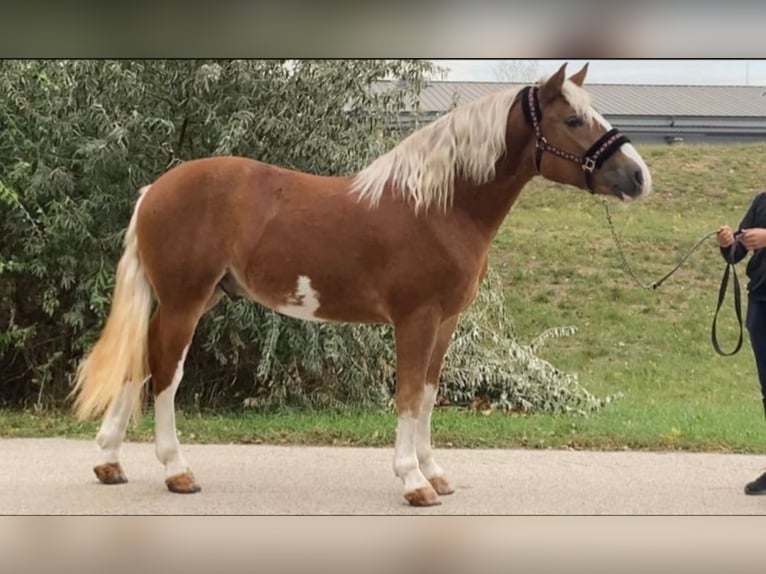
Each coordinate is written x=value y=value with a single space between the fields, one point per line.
x=488 y=367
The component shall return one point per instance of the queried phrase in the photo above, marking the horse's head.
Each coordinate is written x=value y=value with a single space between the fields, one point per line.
x=573 y=144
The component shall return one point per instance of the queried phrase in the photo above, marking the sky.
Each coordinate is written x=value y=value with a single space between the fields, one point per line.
x=680 y=72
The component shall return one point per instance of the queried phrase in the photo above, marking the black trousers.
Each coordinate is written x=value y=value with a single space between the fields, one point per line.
x=756 y=326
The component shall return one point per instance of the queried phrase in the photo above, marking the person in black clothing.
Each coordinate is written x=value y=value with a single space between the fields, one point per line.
x=751 y=236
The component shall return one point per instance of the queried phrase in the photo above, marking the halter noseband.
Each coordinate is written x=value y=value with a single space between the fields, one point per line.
x=593 y=159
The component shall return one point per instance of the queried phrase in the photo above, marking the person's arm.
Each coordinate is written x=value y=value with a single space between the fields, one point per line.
x=738 y=252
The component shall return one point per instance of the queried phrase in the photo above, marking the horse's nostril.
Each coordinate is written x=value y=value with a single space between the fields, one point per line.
x=639 y=175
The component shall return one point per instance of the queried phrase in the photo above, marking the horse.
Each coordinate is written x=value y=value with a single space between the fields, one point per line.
x=403 y=242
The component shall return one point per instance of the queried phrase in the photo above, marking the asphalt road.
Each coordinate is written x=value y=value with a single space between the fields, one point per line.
x=54 y=476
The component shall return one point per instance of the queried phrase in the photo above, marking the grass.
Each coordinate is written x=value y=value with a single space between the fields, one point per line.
x=619 y=427
x=562 y=267
x=559 y=267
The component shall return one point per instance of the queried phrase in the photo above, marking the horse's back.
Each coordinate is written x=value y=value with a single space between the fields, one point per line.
x=233 y=179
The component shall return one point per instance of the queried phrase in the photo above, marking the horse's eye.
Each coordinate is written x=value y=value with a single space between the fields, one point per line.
x=573 y=122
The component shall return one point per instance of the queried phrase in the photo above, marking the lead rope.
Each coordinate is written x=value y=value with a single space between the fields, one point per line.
x=721 y=292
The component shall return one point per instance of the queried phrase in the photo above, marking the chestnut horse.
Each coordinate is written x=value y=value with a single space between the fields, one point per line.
x=403 y=242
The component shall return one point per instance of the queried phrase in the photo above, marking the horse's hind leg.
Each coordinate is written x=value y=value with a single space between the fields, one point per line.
x=170 y=334
x=111 y=434
x=110 y=437
x=432 y=471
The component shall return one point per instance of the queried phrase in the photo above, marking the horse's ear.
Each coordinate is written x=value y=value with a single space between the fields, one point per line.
x=579 y=77
x=552 y=86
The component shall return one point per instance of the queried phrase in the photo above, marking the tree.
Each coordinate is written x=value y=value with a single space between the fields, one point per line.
x=517 y=71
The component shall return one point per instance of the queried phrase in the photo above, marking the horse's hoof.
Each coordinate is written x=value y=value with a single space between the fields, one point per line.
x=183 y=483
x=425 y=496
x=110 y=473
x=441 y=485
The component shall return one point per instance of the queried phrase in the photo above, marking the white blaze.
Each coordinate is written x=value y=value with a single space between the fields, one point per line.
x=303 y=303
x=632 y=153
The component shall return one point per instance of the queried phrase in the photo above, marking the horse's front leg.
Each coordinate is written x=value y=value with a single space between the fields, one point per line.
x=415 y=339
x=428 y=466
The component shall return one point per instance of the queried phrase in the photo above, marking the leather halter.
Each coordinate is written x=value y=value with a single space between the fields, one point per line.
x=593 y=159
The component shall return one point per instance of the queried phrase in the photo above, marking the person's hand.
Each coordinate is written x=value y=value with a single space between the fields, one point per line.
x=725 y=236
x=753 y=239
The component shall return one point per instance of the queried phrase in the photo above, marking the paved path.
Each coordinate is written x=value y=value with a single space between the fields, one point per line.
x=53 y=476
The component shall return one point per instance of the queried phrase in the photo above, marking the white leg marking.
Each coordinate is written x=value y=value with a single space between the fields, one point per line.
x=428 y=465
x=303 y=303
x=405 y=457
x=633 y=154
x=166 y=440
x=112 y=431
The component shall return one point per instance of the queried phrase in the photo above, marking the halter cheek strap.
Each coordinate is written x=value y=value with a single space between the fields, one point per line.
x=593 y=159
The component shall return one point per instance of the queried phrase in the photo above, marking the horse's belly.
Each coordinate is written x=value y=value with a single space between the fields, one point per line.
x=302 y=297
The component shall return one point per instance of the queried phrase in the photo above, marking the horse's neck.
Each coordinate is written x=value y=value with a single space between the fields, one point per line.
x=488 y=205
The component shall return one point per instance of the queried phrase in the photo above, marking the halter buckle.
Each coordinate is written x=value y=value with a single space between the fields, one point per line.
x=588 y=164
x=541 y=142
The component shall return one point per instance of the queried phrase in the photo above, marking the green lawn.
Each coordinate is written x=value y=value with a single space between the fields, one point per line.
x=559 y=267
x=562 y=268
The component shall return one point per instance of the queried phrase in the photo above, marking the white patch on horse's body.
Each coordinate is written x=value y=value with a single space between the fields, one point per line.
x=166 y=440
x=406 y=464
x=425 y=454
x=112 y=432
x=633 y=154
x=303 y=303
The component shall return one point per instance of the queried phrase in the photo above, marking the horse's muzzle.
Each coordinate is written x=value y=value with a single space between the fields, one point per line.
x=625 y=184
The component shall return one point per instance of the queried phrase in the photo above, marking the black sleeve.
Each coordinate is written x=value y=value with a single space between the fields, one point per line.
x=750 y=220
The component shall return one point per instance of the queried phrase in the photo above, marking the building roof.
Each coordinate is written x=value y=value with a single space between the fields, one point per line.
x=624 y=99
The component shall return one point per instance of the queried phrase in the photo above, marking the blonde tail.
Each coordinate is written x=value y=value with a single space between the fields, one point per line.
x=119 y=356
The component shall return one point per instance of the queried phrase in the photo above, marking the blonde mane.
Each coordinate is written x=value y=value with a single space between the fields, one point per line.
x=466 y=142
